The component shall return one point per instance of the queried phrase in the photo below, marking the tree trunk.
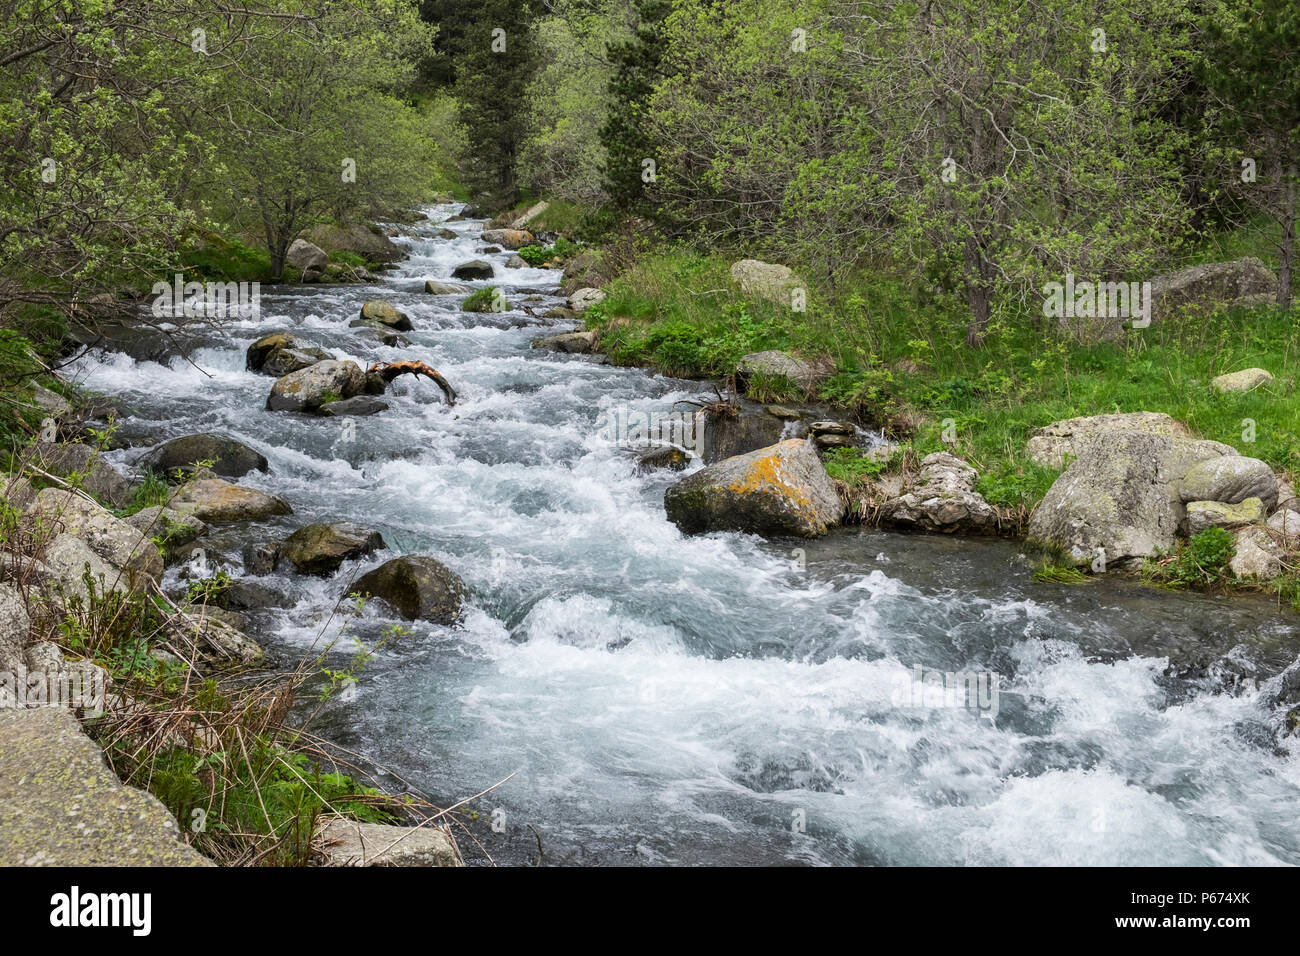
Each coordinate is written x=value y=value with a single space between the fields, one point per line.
x=978 y=293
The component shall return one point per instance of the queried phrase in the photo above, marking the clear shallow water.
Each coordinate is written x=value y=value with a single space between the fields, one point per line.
x=655 y=698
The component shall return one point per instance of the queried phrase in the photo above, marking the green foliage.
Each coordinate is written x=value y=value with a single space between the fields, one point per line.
x=561 y=251
x=256 y=787
x=851 y=466
x=485 y=299
x=153 y=490
x=626 y=136
x=1201 y=563
x=216 y=258
x=1049 y=573
x=208 y=590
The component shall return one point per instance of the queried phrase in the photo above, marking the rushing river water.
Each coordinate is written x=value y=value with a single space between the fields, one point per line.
x=657 y=698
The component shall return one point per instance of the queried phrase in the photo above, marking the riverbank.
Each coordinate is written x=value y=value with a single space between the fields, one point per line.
x=885 y=357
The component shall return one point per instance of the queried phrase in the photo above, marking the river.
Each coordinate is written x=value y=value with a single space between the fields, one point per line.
x=662 y=699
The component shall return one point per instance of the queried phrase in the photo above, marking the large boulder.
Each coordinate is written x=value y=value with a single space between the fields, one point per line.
x=1050 y=445
x=584 y=299
x=121 y=545
x=417 y=587
x=93 y=474
x=15 y=626
x=61 y=804
x=65 y=562
x=1229 y=479
x=804 y=373
x=508 y=238
x=224 y=456
x=944 y=500
x=218 y=500
x=307 y=256
x=387 y=314
x=321 y=548
x=362 y=240
x=766 y=280
x=1244 y=381
x=280 y=353
x=474 y=269
x=779 y=490
x=1119 y=499
x=308 y=389
x=1200 y=288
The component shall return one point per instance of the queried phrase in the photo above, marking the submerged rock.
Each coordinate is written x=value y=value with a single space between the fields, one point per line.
x=224 y=456
x=435 y=287
x=574 y=343
x=418 y=587
x=322 y=548
x=357 y=406
x=669 y=456
x=779 y=490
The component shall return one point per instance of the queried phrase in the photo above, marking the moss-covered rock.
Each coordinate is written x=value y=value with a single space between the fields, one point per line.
x=779 y=490
x=322 y=547
x=418 y=587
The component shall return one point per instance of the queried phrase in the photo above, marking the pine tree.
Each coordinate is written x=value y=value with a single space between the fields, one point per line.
x=626 y=132
x=496 y=61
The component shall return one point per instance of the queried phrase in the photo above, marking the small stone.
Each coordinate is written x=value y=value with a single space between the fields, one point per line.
x=1243 y=381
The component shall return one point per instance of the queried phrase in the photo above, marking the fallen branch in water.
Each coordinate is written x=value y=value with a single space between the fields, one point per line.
x=390 y=370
